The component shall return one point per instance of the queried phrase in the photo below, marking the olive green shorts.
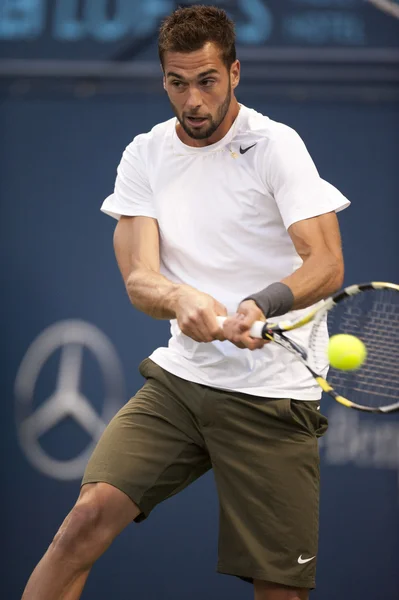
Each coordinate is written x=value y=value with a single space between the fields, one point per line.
x=264 y=455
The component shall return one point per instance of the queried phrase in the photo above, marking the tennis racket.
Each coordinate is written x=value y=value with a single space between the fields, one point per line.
x=391 y=7
x=369 y=311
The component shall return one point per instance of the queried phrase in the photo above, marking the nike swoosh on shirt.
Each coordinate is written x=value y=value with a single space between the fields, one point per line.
x=302 y=561
x=244 y=150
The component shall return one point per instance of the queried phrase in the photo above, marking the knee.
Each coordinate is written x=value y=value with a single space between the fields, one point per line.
x=84 y=533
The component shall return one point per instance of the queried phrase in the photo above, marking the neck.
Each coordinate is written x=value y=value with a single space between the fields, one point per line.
x=220 y=132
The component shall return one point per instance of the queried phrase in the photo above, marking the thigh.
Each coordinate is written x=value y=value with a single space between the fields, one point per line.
x=266 y=464
x=152 y=447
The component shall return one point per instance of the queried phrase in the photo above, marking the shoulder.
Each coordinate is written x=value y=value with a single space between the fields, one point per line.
x=145 y=144
x=273 y=134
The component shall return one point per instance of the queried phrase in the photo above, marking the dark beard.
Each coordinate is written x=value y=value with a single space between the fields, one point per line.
x=213 y=123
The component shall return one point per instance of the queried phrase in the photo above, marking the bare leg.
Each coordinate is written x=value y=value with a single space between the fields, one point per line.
x=100 y=514
x=273 y=591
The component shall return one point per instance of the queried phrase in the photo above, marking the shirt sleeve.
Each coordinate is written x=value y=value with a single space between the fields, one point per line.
x=293 y=179
x=132 y=194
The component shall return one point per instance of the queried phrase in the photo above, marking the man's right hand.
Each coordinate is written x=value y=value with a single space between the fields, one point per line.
x=196 y=314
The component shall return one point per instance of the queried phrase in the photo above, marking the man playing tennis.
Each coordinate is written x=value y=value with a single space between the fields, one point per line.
x=221 y=212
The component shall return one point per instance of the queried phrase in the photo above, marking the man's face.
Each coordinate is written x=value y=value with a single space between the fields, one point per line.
x=199 y=88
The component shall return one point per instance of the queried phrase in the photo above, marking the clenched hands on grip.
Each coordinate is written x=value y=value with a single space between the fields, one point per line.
x=196 y=314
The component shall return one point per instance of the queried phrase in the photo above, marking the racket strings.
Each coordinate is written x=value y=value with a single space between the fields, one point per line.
x=379 y=373
x=374 y=318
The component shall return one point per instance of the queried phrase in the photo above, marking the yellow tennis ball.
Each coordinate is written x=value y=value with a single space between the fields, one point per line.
x=346 y=352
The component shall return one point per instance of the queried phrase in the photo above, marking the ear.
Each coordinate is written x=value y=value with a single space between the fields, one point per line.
x=163 y=77
x=235 y=72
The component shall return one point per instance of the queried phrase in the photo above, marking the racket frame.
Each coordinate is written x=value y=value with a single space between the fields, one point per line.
x=275 y=332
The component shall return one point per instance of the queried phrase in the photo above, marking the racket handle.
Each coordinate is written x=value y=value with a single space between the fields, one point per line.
x=255 y=331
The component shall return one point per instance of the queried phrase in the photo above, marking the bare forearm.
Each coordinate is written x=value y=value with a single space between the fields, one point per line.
x=315 y=280
x=153 y=293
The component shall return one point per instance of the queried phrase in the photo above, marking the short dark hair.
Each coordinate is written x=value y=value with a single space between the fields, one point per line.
x=190 y=28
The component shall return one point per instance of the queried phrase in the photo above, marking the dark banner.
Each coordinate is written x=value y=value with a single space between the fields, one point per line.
x=105 y=29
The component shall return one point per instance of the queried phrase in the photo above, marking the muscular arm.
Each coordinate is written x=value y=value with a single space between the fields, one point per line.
x=136 y=244
x=318 y=243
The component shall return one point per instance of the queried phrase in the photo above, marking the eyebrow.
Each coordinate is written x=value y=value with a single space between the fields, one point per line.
x=199 y=76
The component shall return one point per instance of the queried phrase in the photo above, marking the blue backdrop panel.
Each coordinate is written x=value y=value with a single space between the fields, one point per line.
x=89 y=29
x=58 y=161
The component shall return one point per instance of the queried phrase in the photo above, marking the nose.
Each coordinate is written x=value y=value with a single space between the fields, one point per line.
x=194 y=98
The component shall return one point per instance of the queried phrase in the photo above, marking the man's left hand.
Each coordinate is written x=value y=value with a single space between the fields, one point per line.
x=236 y=327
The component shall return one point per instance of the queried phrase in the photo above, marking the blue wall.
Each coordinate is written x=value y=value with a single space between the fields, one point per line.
x=58 y=160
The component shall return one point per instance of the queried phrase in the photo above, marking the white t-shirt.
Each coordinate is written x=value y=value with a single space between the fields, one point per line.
x=223 y=216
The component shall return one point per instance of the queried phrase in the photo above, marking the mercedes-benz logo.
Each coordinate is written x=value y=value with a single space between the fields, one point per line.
x=72 y=337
